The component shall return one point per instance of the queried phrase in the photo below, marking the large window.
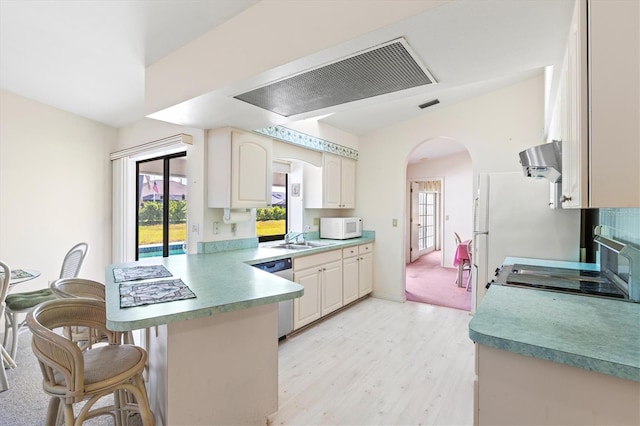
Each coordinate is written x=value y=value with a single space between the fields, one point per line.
x=271 y=222
x=161 y=220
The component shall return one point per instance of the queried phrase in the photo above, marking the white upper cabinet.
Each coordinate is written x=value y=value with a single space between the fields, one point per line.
x=600 y=106
x=574 y=112
x=333 y=186
x=239 y=169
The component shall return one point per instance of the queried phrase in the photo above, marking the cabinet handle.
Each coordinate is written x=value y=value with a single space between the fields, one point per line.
x=565 y=199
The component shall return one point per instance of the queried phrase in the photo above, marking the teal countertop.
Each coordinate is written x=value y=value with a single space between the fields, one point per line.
x=595 y=334
x=222 y=282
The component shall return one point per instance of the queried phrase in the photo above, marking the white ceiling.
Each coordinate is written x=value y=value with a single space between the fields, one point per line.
x=89 y=56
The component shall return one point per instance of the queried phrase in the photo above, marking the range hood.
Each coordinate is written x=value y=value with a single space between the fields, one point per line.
x=543 y=161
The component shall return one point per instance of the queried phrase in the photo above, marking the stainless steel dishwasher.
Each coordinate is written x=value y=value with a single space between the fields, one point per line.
x=281 y=268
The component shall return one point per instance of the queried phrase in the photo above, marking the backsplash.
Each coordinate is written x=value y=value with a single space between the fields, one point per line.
x=622 y=224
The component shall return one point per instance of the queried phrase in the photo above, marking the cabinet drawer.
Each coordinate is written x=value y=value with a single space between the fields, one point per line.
x=316 y=259
x=349 y=252
x=365 y=248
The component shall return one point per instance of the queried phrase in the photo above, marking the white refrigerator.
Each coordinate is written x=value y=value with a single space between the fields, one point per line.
x=512 y=217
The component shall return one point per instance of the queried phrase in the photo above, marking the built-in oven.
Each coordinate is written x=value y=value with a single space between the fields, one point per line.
x=282 y=268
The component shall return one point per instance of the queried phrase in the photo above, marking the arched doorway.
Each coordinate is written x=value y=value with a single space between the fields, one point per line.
x=439 y=176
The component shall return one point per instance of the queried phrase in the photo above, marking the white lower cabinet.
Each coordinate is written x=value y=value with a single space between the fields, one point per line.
x=365 y=269
x=357 y=272
x=321 y=277
x=331 y=280
x=306 y=309
x=331 y=287
x=350 y=265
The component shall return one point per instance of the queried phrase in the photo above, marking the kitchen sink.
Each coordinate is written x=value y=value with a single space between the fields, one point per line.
x=291 y=246
x=303 y=246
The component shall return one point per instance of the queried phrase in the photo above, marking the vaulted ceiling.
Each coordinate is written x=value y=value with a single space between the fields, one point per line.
x=92 y=57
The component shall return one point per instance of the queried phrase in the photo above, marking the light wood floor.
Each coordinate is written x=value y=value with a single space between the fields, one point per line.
x=379 y=363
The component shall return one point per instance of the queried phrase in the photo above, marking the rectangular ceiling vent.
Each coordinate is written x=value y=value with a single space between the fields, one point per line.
x=383 y=69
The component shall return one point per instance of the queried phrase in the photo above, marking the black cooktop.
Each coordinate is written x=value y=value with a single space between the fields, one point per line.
x=593 y=283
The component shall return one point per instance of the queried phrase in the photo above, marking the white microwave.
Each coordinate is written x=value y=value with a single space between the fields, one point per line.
x=340 y=228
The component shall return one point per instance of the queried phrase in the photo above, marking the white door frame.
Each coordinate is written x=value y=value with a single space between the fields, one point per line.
x=414 y=253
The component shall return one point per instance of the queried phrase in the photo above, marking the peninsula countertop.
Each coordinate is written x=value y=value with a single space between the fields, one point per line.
x=222 y=282
x=591 y=333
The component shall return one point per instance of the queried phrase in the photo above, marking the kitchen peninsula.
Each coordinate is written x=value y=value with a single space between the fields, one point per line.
x=213 y=358
x=555 y=358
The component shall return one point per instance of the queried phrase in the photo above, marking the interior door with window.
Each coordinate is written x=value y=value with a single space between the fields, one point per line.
x=415 y=222
x=162 y=206
x=423 y=220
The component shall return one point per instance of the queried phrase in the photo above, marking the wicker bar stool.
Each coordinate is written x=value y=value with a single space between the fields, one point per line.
x=68 y=288
x=71 y=376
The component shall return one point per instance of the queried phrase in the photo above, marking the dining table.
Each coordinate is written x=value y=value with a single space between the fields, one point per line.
x=21 y=275
x=460 y=258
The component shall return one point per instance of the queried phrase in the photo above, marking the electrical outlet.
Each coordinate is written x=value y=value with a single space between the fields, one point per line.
x=316 y=221
x=394 y=222
x=195 y=228
x=216 y=228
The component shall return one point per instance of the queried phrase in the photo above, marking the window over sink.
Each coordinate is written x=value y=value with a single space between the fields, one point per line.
x=271 y=222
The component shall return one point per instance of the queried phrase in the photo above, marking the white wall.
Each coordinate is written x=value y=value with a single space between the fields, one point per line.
x=493 y=127
x=55 y=188
x=457 y=173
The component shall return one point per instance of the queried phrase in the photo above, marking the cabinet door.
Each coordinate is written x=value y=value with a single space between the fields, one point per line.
x=575 y=133
x=365 y=274
x=306 y=309
x=350 y=286
x=331 y=287
x=251 y=170
x=348 y=184
x=332 y=179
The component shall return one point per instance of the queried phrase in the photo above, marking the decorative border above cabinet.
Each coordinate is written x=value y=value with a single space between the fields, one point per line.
x=307 y=141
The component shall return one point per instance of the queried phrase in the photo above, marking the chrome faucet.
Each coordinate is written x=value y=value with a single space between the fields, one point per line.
x=291 y=236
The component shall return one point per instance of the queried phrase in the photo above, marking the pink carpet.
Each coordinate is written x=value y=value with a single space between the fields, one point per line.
x=427 y=282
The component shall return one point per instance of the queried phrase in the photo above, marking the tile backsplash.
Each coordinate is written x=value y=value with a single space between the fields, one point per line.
x=622 y=224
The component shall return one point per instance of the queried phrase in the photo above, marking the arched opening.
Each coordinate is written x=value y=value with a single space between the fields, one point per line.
x=439 y=182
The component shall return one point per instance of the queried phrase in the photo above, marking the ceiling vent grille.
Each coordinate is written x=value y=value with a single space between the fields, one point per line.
x=383 y=69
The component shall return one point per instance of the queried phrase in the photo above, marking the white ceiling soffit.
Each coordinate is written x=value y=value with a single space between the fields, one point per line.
x=387 y=68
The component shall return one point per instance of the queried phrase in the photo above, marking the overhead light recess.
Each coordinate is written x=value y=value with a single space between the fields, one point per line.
x=383 y=69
